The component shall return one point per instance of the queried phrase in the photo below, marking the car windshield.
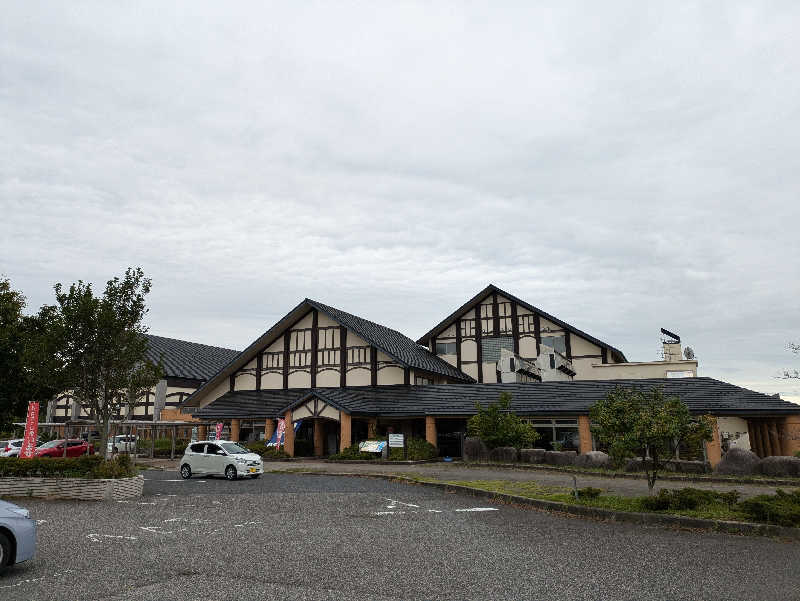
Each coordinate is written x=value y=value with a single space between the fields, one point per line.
x=233 y=449
x=51 y=444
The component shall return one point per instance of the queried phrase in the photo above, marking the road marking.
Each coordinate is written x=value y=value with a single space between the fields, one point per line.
x=40 y=522
x=479 y=509
x=246 y=524
x=394 y=504
x=178 y=480
x=145 y=503
x=95 y=538
x=33 y=580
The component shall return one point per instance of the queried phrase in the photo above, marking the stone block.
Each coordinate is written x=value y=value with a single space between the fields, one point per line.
x=532 y=455
x=504 y=455
x=560 y=457
x=592 y=459
x=475 y=450
x=781 y=465
x=738 y=462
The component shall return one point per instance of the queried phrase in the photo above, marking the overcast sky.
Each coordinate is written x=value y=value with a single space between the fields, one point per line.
x=625 y=168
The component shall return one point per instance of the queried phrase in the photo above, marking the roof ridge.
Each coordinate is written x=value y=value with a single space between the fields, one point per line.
x=192 y=342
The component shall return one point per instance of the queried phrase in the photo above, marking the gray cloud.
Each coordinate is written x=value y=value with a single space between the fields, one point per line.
x=624 y=169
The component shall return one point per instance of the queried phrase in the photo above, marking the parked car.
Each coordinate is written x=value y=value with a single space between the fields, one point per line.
x=124 y=443
x=55 y=448
x=17 y=535
x=10 y=448
x=220 y=457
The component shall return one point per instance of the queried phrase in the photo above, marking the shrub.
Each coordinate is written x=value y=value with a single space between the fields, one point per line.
x=162 y=446
x=352 y=452
x=418 y=449
x=589 y=492
x=687 y=499
x=782 y=508
x=497 y=426
x=85 y=466
x=273 y=453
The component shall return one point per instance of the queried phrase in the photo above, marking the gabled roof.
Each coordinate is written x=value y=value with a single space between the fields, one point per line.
x=701 y=395
x=399 y=347
x=491 y=288
x=183 y=359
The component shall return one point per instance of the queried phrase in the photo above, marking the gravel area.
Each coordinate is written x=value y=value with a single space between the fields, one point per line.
x=325 y=537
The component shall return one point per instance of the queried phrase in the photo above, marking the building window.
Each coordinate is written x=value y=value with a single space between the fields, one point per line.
x=420 y=381
x=526 y=323
x=555 y=342
x=445 y=348
x=557 y=433
x=491 y=347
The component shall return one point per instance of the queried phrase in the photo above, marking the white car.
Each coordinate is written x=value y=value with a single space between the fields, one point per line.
x=10 y=448
x=221 y=458
x=124 y=443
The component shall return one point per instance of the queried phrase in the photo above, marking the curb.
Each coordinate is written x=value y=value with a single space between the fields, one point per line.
x=633 y=475
x=382 y=462
x=597 y=513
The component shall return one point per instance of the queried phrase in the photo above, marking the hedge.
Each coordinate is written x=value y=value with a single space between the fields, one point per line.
x=85 y=466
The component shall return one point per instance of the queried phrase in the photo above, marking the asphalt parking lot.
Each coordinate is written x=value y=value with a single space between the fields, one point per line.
x=313 y=537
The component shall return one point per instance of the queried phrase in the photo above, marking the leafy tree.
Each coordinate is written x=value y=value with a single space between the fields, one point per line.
x=30 y=367
x=103 y=346
x=497 y=426
x=637 y=422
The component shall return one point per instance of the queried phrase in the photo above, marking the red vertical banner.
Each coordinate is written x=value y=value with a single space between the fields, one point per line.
x=279 y=432
x=219 y=430
x=31 y=431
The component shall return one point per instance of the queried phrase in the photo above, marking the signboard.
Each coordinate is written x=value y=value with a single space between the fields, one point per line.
x=279 y=433
x=220 y=425
x=396 y=441
x=372 y=446
x=31 y=431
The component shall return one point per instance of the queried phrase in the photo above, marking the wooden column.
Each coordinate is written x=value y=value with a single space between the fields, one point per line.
x=430 y=430
x=495 y=315
x=314 y=346
x=406 y=376
x=343 y=357
x=373 y=365
x=372 y=427
x=791 y=434
x=286 y=339
x=604 y=355
x=568 y=344
x=713 y=447
x=458 y=344
x=288 y=436
x=478 y=348
x=232 y=382
x=515 y=327
x=537 y=332
x=755 y=439
x=345 y=430
x=259 y=368
x=202 y=432
x=235 y=424
x=269 y=428
x=585 y=433
x=765 y=443
x=774 y=439
x=319 y=438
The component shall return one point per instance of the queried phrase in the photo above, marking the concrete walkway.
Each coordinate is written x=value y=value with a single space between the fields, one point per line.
x=626 y=487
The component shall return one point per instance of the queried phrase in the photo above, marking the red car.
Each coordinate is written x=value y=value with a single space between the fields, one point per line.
x=55 y=448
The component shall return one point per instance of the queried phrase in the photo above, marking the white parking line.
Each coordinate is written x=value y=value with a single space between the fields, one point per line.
x=479 y=509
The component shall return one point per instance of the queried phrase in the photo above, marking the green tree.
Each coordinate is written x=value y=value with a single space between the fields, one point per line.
x=498 y=426
x=103 y=346
x=31 y=368
x=792 y=373
x=635 y=422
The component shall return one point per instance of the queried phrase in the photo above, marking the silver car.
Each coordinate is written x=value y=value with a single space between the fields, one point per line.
x=220 y=457
x=17 y=535
x=10 y=448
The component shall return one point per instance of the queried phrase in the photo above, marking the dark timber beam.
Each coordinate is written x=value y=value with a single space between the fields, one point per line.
x=495 y=315
x=286 y=336
x=458 y=344
x=314 y=346
x=568 y=344
x=515 y=327
x=233 y=382
x=259 y=367
x=373 y=365
x=537 y=332
x=604 y=355
x=478 y=349
x=342 y=356
x=406 y=376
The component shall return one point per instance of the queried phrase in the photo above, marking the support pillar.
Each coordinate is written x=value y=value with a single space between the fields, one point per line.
x=713 y=447
x=319 y=438
x=430 y=430
x=791 y=434
x=585 y=433
x=372 y=427
x=269 y=429
x=345 y=430
x=765 y=443
x=774 y=439
x=235 y=424
x=202 y=432
x=288 y=435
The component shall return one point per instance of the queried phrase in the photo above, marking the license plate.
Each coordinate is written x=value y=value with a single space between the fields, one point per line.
x=252 y=470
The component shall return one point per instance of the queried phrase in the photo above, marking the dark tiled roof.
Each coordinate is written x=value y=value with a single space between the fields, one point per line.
x=182 y=359
x=702 y=395
x=491 y=288
x=393 y=343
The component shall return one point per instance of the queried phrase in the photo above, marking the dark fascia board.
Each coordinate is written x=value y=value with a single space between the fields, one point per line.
x=470 y=304
x=311 y=395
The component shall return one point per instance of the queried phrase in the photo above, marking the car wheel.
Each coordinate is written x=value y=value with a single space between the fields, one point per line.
x=255 y=476
x=230 y=472
x=186 y=471
x=5 y=551
x=115 y=450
